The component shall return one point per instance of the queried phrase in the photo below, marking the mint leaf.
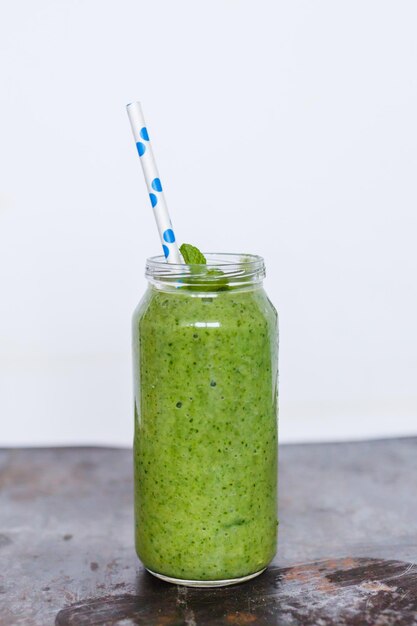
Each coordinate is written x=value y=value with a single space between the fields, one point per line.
x=192 y=255
x=201 y=277
x=213 y=271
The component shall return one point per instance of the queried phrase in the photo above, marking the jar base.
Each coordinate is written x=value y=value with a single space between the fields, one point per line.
x=205 y=583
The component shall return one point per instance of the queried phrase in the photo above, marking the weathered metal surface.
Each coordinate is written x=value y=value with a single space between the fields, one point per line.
x=341 y=591
x=348 y=510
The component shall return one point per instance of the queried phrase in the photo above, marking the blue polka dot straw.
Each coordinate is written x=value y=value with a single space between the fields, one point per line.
x=153 y=182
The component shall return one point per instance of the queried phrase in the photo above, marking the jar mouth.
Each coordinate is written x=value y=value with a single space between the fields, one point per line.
x=222 y=271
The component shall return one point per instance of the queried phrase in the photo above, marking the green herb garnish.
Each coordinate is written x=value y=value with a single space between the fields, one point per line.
x=192 y=255
x=216 y=280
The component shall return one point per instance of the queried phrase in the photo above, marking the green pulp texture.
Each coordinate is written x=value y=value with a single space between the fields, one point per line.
x=205 y=377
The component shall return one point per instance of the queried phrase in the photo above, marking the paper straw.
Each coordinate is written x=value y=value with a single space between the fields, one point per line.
x=153 y=182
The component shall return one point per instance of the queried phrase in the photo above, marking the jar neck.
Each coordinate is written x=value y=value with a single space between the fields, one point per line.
x=223 y=272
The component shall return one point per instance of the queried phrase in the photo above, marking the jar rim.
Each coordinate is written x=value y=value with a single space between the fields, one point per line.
x=232 y=268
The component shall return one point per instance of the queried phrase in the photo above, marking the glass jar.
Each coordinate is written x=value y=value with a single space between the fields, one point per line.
x=205 y=352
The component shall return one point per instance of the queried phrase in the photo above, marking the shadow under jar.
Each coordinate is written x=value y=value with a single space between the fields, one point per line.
x=205 y=356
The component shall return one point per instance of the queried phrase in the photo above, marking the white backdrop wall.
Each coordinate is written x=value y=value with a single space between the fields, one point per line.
x=282 y=128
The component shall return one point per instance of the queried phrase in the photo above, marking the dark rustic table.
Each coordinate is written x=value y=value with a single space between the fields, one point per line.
x=347 y=543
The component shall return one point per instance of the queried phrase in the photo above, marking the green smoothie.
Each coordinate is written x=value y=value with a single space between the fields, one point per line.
x=205 y=372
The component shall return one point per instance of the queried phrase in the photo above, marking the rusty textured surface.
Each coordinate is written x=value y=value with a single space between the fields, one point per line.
x=348 y=538
x=338 y=591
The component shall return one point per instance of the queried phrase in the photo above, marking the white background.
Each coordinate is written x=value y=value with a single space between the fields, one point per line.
x=286 y=129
